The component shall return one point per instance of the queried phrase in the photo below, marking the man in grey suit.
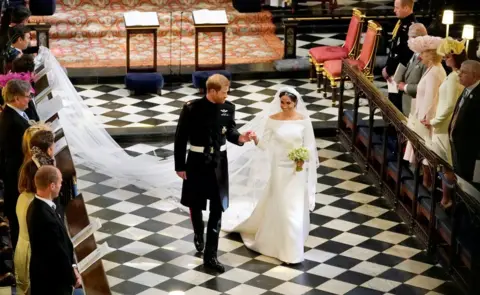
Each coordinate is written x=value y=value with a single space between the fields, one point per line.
x=414 y=72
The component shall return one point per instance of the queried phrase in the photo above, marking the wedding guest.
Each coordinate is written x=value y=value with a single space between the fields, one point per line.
x=454 y=55
x=19 y=39
x=20 y=15
x=409 y=82
x=42 y=144
x=52 y=265
x=24 y=64
x=27 y=138
x=399 y=50
x=427 y=94
x=13 y=123
x=465 y=123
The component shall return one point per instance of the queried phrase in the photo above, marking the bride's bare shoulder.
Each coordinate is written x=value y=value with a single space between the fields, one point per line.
x=276 y=116
x=299 y=116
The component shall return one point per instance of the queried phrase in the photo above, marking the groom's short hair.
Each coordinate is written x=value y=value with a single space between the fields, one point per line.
x=216 y=82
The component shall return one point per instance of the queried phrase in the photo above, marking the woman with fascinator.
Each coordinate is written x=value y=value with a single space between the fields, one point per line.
x=41 y=151
x=428 y=90
x=277 y=221
x=453 y=52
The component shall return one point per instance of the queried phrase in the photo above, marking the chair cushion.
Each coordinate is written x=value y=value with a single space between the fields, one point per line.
x=324 y=53
x=334 y=67
x=199 y=78
x=144 y=82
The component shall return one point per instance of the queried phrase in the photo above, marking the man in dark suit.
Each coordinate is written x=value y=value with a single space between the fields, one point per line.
x=399 y=51
x=52 y=266
x=465 y=124
x=19 y=40
x=207 y=124
x=26 y=64
x=13 y=123
x=407 y=86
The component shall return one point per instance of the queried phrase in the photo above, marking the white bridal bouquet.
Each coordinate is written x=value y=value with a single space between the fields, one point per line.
x=299 y=156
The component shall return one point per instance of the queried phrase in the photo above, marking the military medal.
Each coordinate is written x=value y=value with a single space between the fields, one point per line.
x=224 y=130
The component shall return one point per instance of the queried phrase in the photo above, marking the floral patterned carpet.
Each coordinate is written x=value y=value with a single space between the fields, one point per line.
x=91 y=33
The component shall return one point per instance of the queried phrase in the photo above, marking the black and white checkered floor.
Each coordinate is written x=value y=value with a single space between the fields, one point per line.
x=356 y=244
x=114 y=107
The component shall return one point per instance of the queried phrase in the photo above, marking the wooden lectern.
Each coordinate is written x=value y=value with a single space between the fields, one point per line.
x=141 y=23
x=210 y=21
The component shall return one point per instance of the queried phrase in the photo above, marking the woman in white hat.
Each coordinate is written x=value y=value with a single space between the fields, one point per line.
x=427 y=94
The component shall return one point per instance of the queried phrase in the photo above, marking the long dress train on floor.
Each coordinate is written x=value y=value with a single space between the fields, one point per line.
x=279 y=224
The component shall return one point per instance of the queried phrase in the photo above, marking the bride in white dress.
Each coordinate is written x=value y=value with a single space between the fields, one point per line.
x=280 y=222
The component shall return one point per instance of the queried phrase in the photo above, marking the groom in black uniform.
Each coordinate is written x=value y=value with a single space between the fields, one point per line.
x=207 y=124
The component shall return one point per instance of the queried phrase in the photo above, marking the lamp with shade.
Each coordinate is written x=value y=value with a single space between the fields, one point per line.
x=447 y=19
x=467 y=34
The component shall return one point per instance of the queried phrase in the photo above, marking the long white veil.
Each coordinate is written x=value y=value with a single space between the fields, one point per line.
x=93 y=147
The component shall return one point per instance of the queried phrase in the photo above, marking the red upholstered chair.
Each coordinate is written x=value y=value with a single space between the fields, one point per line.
x=319 y=55
x=365 y=61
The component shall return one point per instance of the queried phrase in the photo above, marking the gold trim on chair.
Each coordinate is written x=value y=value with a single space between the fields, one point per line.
x=367 y=70
x=317 y=68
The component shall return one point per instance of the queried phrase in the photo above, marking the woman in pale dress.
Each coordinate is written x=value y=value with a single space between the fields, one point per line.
x=280 y=221
x=427 y=95
x=41 y=153
x=454 y=55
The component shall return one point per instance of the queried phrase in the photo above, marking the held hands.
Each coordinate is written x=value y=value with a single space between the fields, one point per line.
x=247 y=136
x=401 y=86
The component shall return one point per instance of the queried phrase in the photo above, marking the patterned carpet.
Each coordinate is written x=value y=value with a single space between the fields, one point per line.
x=356 y=246
x=92 y=34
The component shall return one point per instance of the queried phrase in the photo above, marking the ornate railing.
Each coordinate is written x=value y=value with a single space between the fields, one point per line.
x=377 y=144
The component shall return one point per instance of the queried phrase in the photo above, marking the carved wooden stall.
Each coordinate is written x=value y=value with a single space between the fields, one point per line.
x=377 y=140
x=76 y=217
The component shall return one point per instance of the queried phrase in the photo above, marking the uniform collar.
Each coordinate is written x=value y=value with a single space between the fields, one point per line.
x=408 y=18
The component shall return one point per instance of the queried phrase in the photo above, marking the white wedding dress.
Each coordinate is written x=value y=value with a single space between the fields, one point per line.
x=279 y=224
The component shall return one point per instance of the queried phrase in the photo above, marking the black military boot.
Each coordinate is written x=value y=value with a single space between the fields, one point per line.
x=212 y=262
x=198 y=228
x=198 y=242
x=210 y=257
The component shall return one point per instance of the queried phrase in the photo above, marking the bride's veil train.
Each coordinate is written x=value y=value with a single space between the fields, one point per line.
x=92 y=146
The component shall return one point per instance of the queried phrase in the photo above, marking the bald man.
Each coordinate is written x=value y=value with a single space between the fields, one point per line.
x=407 y=86
x=463 y=129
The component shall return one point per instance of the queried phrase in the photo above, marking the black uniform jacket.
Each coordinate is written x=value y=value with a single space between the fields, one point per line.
x=208 y=125
x=399 y=50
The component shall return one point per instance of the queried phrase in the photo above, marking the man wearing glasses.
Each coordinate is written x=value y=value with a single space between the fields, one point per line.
x=13 y=123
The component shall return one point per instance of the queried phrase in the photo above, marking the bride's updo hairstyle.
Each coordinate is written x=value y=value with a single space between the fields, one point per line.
x=292 y=96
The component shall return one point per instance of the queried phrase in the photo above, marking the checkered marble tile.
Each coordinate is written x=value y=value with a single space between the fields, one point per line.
x=115 y=107
x=357 y=245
